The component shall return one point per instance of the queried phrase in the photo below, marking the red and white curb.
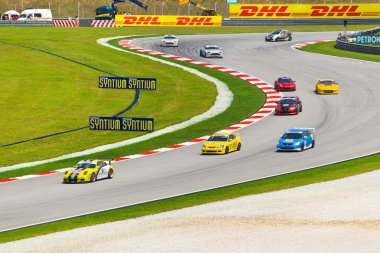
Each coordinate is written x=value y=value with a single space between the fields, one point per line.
x=299 y=45
x=272 y=96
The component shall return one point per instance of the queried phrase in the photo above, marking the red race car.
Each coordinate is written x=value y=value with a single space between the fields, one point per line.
x=285 y=84
x=288 y=105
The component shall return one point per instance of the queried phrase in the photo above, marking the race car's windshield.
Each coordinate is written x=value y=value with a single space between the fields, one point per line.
x=292 y=136
x=276 y=32
x=169 y=37
x=287 y=101
x=212 y=48
x=85 y=165
x=285 y=80
x=326 y=82
x=218 y=138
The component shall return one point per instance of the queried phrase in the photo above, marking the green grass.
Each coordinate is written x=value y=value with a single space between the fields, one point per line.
x=306 y=177
x=329 y=49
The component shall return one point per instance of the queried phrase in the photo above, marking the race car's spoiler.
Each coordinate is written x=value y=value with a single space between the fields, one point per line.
x=107 y=161
x=312 y=130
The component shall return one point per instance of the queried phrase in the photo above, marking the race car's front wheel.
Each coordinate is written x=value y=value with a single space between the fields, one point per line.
x=93 y=178
x=303 y=146
x=290 y=38
x=110 y=174
x=313 y=144
x=238 y=147
x=226 y=150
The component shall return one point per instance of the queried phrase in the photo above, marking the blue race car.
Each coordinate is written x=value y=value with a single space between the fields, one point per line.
x=297 y=139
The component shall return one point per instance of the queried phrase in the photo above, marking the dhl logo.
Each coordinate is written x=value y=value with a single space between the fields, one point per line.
x=133 y=20
x=197 y=21
x=337 y=10
x=151 y=20
x=304 y=10
x=267 y=11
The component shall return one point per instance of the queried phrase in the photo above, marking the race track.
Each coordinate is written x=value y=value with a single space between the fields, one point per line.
x=346 y=126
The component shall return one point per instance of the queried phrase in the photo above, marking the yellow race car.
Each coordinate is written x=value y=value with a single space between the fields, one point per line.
x=222 y=143
x=89 y=171
x=326 y=86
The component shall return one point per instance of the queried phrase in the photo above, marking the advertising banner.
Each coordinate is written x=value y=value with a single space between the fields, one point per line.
x=368 y=39
x=278 y=11
x=159 y=20
x=142 y=83
x=121 y=124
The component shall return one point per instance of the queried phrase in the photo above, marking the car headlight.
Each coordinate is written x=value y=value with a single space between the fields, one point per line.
x=85 y=172
x=204 y=146
x=297 y=142
x=220 y=146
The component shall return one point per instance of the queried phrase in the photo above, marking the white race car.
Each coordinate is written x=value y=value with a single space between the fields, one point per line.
x=211 y=51
x=279 y=35
x=169 y=41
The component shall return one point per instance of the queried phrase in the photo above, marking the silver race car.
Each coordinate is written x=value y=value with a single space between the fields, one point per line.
x=169 y=41
x=279 y=35
x=211 y=51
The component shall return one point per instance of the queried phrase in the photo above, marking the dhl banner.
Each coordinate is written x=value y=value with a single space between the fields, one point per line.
x=158 y=20
x=305 y=11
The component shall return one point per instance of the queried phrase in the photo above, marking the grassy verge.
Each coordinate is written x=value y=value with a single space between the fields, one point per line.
x=316 y=175
x=329 y=48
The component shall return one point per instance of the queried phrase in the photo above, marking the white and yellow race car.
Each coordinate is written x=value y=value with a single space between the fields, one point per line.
x=89 y=171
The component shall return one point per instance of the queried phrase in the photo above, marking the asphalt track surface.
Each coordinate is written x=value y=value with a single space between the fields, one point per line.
x=347 y=125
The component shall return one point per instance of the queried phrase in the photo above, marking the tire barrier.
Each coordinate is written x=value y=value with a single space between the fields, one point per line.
x=343 y=45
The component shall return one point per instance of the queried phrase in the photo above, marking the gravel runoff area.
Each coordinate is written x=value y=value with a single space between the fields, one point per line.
x=336 y=216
